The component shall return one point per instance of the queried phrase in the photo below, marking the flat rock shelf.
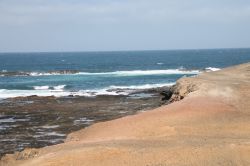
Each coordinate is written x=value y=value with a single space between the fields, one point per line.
x=34 y=122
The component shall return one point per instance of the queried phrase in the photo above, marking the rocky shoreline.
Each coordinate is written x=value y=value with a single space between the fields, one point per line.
x=35 y=122
x=207 y=125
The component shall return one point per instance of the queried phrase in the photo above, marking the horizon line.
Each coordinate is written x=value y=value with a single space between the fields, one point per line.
x=92 y=51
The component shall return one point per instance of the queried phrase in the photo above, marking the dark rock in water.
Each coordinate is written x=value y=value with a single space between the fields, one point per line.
x=13 y=73
x=167 y=94
x=24 y=73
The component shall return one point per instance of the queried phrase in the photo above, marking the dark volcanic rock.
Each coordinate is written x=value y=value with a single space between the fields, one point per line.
x=33 y=122
x=167 y=94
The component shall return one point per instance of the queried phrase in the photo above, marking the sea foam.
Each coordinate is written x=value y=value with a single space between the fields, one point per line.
x=146 y=86
x=58 y=91
x=212 y=69
x=59 y=87
x=114 y=73
x=46 y=87
x=41 y=87
x=144 y=72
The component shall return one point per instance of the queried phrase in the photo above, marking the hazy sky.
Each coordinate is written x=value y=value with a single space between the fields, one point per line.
x=95 y=25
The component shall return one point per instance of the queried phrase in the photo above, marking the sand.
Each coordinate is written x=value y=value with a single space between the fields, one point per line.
x=210 y=126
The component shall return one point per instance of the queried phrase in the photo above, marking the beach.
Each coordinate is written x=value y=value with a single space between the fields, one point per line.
x=207 y=124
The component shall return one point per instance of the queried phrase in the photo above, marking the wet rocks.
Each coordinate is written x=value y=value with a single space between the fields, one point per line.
x=33 y=122
x=167 y=94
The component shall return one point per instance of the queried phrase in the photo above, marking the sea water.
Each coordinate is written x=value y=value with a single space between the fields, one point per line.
x=106 y=73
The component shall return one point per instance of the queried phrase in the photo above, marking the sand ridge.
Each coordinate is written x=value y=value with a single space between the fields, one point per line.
x=210 y=126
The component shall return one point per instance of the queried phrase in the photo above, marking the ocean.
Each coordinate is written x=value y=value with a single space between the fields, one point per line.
x=106 y=73
x=89 y=87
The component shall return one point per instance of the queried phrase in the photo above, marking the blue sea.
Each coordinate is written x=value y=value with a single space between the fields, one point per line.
x=106 y=73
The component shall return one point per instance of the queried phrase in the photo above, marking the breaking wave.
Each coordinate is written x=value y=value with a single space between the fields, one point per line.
x=145 y=72
x=59 y=87
x=41 y=87
x=58 y=91
x=212 y=69
x=146 y=86
x=115 y=73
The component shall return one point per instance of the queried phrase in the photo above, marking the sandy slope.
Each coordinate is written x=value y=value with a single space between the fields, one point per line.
x=210 y=126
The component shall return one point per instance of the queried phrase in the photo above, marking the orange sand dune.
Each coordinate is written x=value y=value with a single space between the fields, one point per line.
x=210 y=126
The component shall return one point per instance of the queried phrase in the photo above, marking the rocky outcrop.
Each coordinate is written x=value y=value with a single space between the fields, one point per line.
x=178 y=91
x=210 y=127
x=182 y=88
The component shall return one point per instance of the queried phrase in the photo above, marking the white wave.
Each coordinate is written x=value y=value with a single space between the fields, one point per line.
x=145 y=72
x=98 y=92
x=47 y=92
x=41 y=87
x=159 y=63
x=146 y=86
x=42 y=74
x=212 y=69
x=179 y=71
x=5 y=93
x=125 y=73
x=59 y=87
x=111 y=90
x=46 y=87
x=49 y=74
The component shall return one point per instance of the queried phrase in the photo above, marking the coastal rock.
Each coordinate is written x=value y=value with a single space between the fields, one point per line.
x=210 y=126
x=26 y=154
x=34 y=121
x=182 y=88
x=24 y=73
x=167 y=94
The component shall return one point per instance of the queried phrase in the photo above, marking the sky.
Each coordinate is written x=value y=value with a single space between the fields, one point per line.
x=113 y=25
